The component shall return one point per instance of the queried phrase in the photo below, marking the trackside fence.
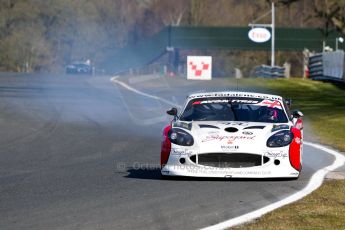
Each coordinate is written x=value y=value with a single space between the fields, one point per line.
x=266 y=71
x=327 y=66
x=143 y=51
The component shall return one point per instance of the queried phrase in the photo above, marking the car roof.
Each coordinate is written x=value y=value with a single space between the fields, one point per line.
x=235 y=94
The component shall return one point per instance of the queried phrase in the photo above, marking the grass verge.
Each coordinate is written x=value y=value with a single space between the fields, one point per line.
x=323 y=209
x=323 y=105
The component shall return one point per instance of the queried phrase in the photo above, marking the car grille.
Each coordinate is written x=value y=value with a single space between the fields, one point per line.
x=229 y=160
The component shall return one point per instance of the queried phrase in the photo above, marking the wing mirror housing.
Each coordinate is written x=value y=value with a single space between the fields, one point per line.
x=297 y=114
x=297 y=119
x=172 y=112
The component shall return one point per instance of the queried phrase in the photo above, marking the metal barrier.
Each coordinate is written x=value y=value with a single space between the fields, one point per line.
x=315 y=66
x=266 y=71
x=327 y=66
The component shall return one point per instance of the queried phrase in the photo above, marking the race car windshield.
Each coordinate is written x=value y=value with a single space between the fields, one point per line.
x=234 y=109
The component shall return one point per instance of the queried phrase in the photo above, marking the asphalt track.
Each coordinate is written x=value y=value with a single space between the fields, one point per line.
x=80 y=152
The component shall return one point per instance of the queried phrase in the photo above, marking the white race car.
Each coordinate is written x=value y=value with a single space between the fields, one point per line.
x=233 y=135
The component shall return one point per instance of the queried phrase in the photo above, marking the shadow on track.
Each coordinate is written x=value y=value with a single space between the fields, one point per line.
x=155 y=174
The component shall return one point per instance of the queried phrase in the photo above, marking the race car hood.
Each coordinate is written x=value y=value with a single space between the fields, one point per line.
x=221 y=136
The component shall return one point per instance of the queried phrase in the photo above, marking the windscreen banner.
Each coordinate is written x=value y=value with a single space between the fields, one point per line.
x=199 y=67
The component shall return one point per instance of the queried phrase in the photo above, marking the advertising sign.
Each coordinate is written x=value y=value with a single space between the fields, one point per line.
x=199 y=67
x=259 y=35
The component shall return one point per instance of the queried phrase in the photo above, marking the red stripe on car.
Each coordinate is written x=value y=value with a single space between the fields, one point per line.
x=295 y=149
x=166 y=146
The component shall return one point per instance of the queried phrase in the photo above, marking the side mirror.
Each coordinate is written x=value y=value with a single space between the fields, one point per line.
x=172 y=112
x=297 y=114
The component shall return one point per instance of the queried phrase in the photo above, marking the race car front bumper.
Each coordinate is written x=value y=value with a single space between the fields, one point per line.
x=268 y=164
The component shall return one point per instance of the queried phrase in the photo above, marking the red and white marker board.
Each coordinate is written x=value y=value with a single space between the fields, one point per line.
x=199 y=67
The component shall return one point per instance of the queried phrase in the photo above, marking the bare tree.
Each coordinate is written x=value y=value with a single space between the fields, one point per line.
x=170 y=12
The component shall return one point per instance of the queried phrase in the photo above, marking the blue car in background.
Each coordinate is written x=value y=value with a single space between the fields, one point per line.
x=79 y=68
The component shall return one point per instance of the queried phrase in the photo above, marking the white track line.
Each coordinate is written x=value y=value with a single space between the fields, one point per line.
x=124 y=85
x=314 y=182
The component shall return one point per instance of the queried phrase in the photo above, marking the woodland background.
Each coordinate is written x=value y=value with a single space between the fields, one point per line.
x=45 y=35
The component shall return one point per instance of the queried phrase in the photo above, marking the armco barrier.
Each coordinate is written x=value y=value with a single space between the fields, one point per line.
x=315 y=66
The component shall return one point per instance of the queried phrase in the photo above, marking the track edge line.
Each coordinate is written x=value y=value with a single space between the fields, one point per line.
x=314 y=183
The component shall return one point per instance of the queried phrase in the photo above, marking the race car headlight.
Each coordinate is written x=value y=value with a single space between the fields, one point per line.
x=280 y=139
x=180 y=137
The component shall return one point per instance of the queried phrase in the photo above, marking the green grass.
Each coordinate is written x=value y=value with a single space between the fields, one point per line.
x=323 y=105
x=323 y=209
